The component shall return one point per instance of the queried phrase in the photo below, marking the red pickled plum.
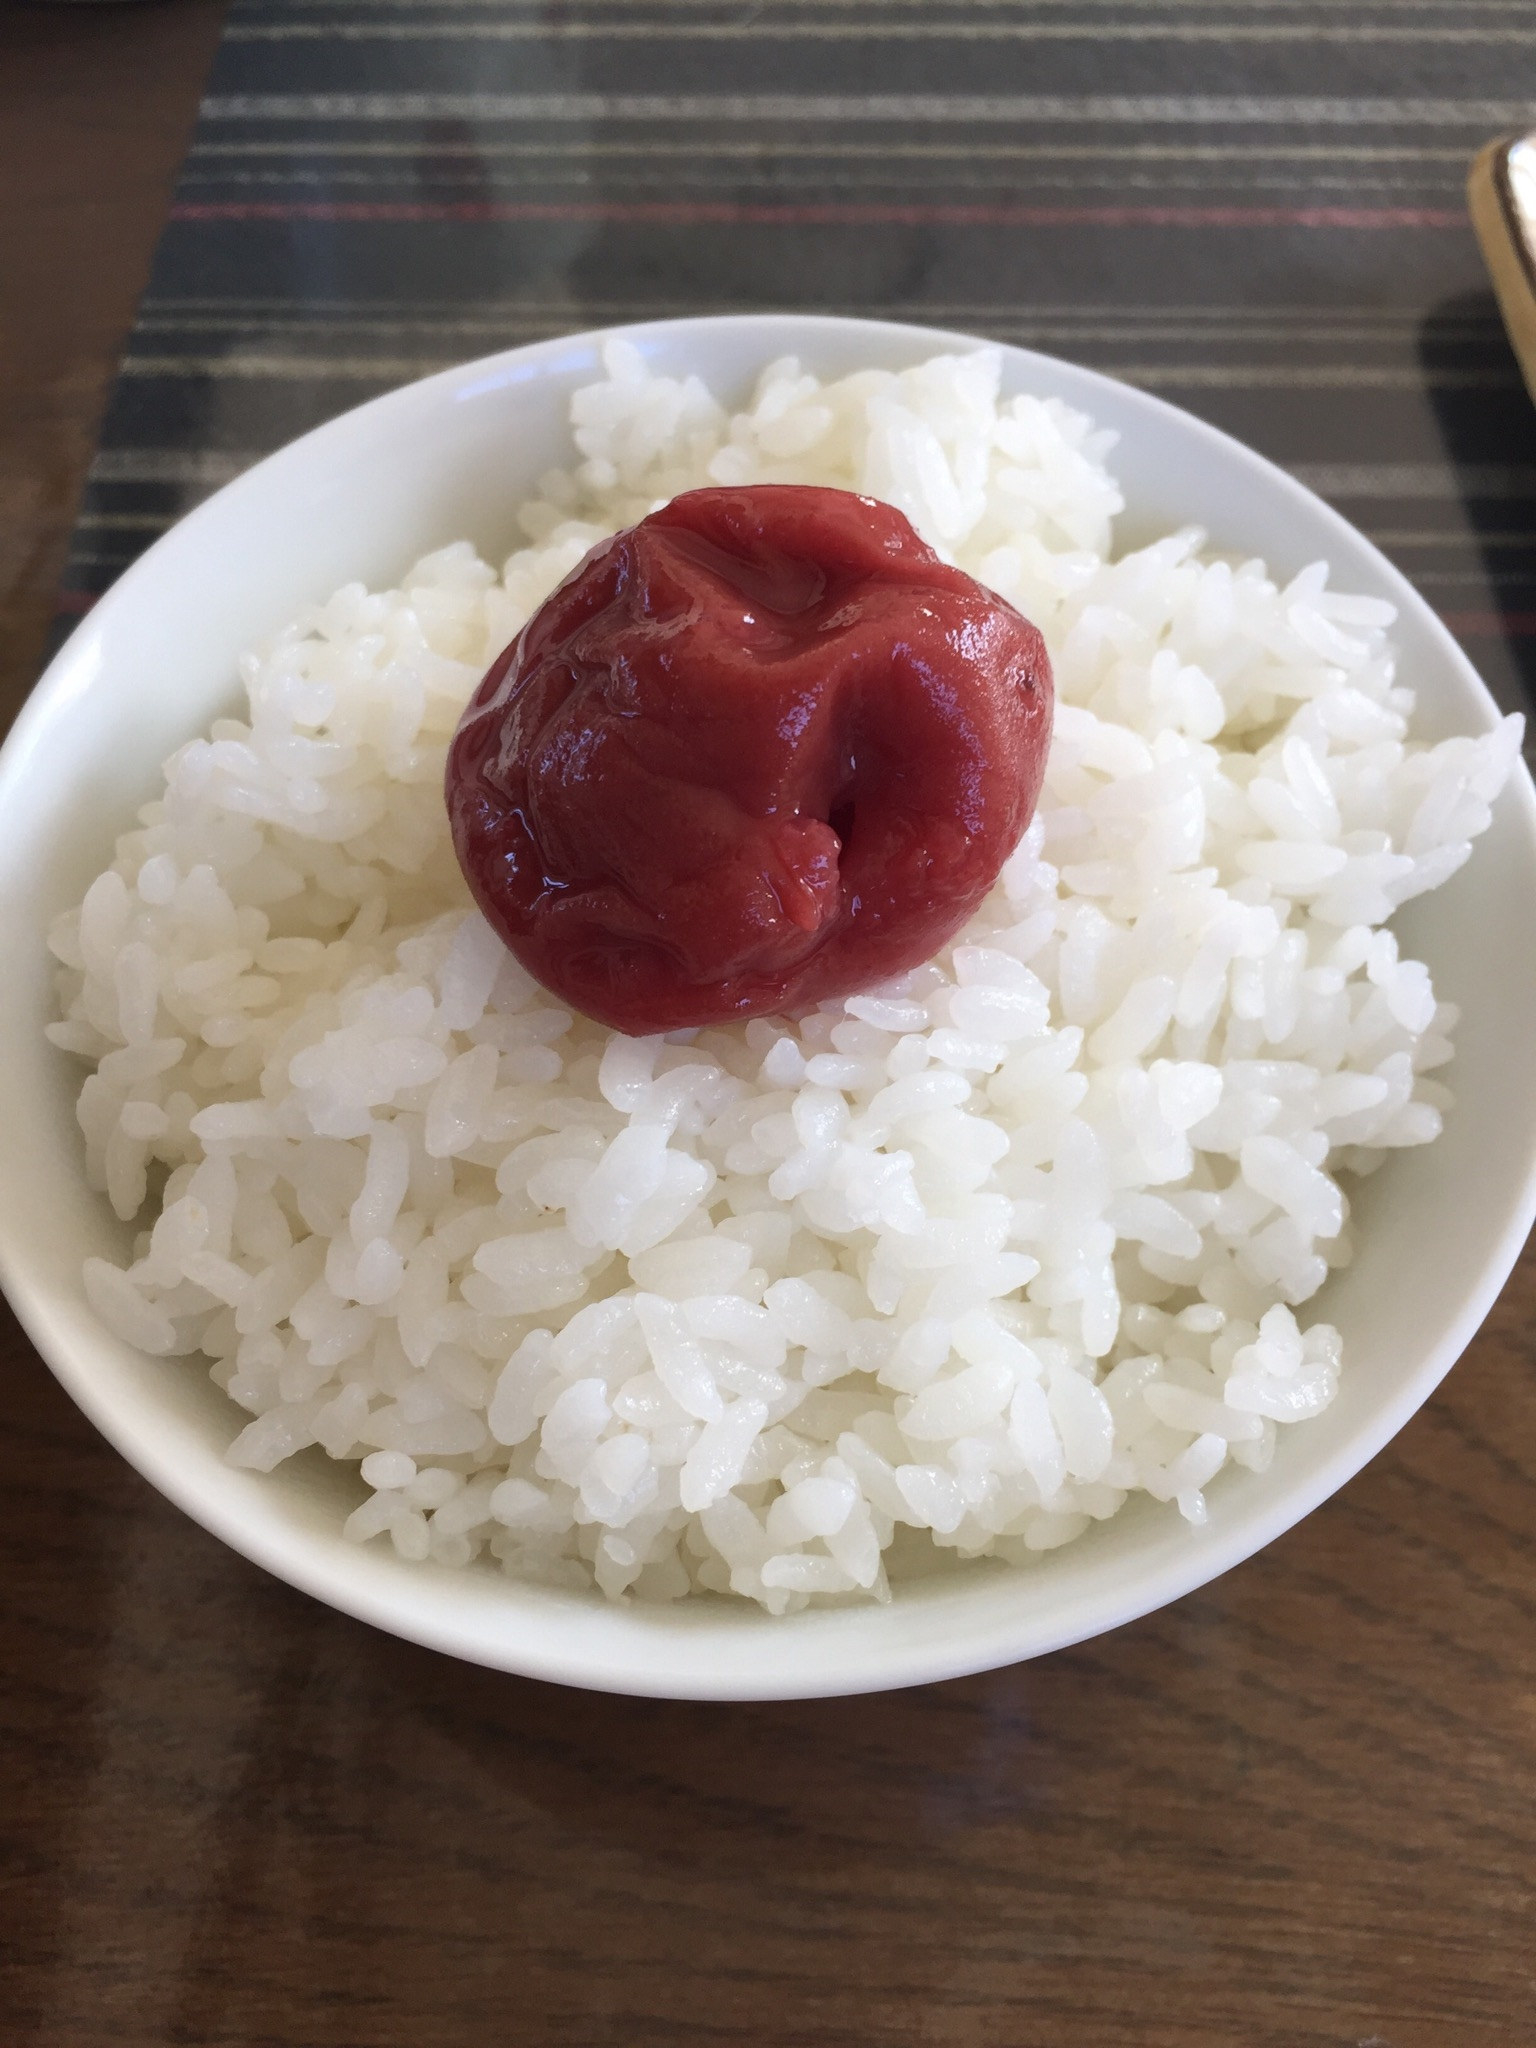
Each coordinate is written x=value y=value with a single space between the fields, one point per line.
x=762 y=749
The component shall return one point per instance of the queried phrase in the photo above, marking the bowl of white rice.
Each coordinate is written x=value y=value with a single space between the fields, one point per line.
x=935 y=1328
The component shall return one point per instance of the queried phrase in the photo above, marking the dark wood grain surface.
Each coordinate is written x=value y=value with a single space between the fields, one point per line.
x=1297 y=1808
x=96 y=108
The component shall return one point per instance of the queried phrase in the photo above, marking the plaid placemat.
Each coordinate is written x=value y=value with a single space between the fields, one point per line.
x=1253 y=207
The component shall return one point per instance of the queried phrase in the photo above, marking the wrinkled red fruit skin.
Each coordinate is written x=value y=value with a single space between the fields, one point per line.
x=762 y=749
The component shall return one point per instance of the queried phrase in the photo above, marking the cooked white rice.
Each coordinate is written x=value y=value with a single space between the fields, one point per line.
x=975 y=1256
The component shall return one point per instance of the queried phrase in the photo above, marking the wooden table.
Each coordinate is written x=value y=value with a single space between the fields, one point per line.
x=1297 y=1808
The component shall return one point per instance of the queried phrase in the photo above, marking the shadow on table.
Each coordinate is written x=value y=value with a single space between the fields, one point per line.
x=1487 y=426
x=228 y=1795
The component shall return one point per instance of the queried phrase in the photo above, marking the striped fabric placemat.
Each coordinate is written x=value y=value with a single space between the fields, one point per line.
x=1251 y=207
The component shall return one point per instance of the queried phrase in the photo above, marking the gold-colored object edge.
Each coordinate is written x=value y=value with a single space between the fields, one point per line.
x=1506 y=251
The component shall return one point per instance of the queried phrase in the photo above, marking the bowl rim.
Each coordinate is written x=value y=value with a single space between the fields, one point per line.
x=281 y=1547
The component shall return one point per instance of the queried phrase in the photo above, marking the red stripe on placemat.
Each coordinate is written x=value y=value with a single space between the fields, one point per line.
x=1491 y=625
x=709 y=212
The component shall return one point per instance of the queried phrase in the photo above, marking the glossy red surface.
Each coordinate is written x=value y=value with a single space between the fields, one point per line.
x=762 y=749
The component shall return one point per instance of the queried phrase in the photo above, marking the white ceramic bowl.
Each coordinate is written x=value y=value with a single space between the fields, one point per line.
x=360 y=498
